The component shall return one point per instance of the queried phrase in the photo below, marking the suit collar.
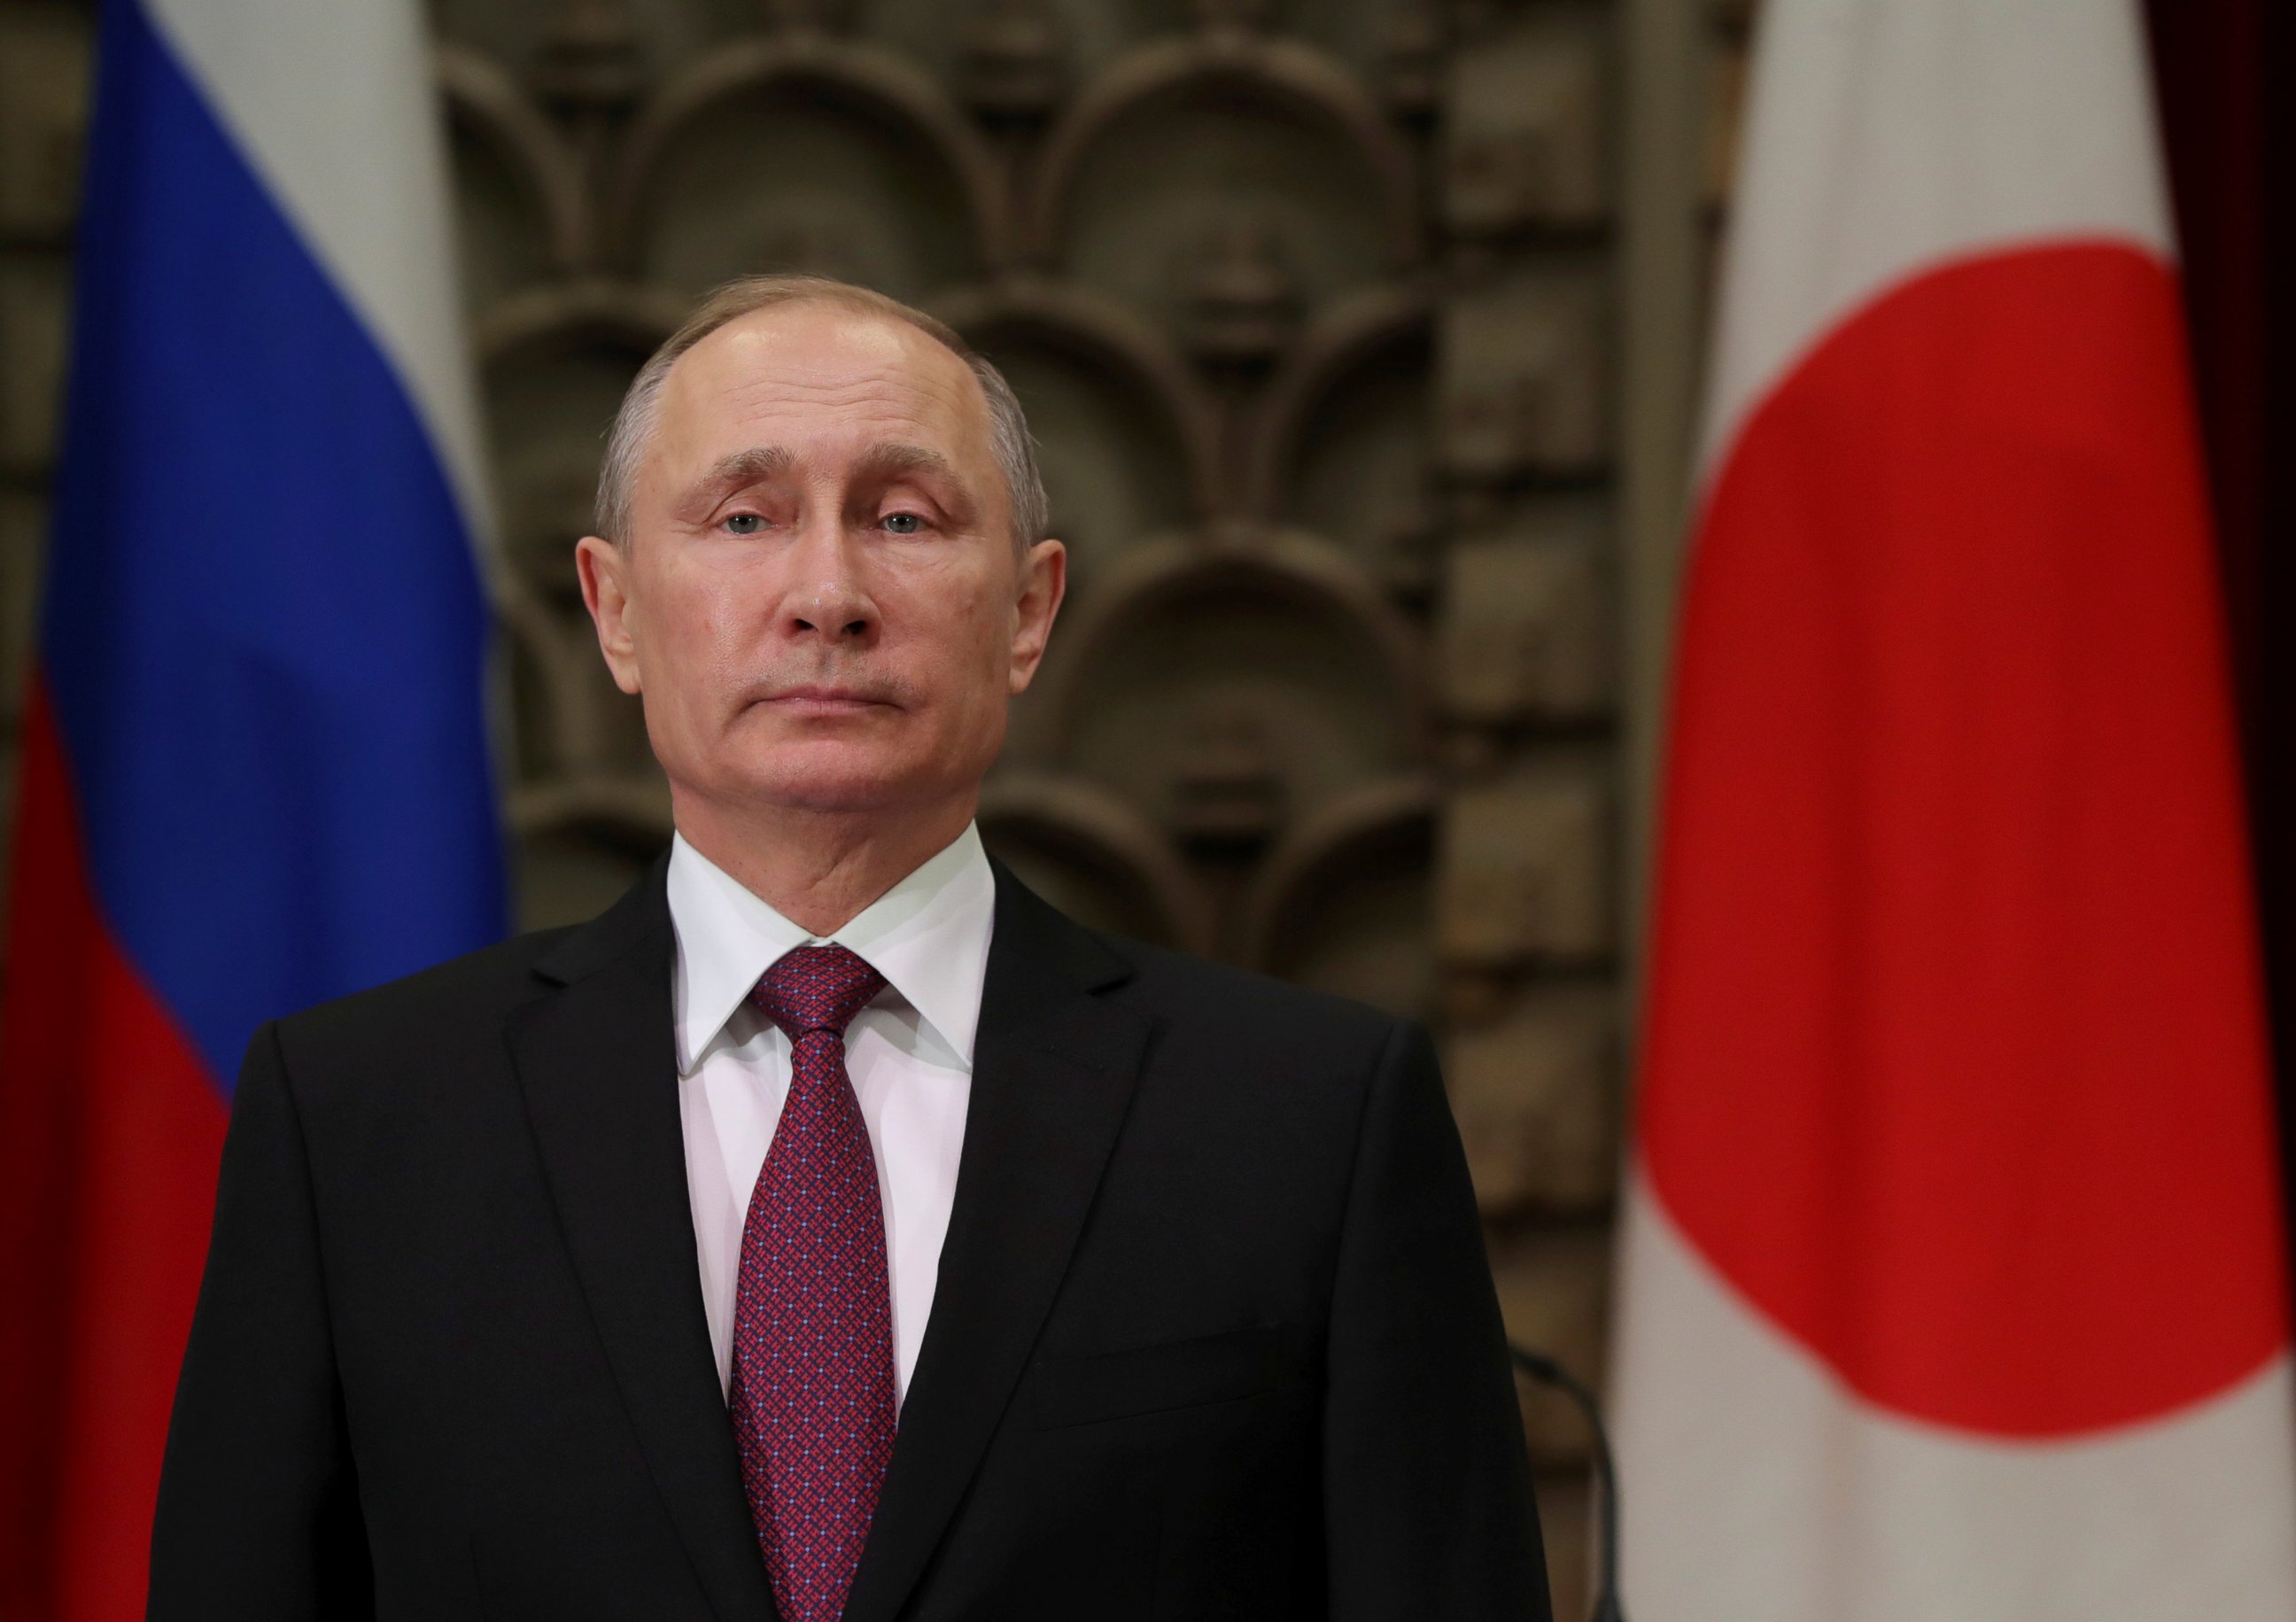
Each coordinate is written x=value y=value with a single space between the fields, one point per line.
x=927 y=936
x=598 y=1071
x=1054 y=1064
x=1053 y=1078
x=628 y=925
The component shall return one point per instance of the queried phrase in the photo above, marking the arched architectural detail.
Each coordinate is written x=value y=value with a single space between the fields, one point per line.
x=1325 y=844
x=493 y=105
x=626 y=808
x=1085 y=823
x=836 y=70
x=1288 y=564
x=1350 y=332
x=1295 y=78
x=1104 y=332
x=622 y=313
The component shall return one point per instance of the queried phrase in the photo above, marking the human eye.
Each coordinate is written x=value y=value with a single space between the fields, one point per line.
x=744 y=523
x=903 y=523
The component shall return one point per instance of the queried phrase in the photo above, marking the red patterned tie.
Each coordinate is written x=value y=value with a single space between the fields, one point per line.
x=812 y=1397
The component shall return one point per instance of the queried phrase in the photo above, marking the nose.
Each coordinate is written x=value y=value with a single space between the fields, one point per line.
x=826 y=596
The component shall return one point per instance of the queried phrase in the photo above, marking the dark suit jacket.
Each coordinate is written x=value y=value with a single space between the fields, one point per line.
x=1213 y=1335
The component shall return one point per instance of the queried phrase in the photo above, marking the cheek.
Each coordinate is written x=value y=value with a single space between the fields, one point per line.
x=989 y=628
x=961 y=620
x=692 y=634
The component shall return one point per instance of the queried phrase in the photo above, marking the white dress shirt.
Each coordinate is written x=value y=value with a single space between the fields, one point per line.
x=909 y=1052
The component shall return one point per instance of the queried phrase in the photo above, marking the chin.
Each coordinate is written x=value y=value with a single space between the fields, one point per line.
x=834 y=779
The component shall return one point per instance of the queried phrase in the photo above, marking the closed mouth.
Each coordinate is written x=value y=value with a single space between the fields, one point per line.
x=827 y=700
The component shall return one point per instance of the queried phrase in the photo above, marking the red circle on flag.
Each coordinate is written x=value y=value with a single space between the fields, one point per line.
x=1954 y=1062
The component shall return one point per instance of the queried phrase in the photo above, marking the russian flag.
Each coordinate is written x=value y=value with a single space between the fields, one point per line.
x=255 y=769
x=1955 y=1287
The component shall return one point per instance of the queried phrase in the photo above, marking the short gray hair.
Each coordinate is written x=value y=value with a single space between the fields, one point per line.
x=632 y=433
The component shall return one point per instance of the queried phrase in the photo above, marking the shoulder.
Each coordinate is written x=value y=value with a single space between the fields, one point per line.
x=443 y=1008
x=1213 y=1012
x=460 y=1008
x=1247 y=1013
x=1253 y=1072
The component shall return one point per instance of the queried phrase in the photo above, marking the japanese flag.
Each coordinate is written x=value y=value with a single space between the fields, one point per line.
x=1954 y=1279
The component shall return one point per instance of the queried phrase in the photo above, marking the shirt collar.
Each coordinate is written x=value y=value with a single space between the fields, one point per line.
x=927 y=936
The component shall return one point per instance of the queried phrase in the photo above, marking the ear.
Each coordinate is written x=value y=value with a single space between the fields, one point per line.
x=1044 y=582
x=603 y=568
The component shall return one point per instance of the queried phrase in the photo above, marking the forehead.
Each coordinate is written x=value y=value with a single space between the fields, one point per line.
x=801 y=373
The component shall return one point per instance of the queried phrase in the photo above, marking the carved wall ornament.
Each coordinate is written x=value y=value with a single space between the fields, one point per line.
x=1526 y=876
x=1014 y=65
x=1535 y=1091
x=1523 y=145
x=1241 y=299
x=1526 y=627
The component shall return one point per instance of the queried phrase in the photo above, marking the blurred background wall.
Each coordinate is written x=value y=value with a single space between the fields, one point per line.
x=1362 y=339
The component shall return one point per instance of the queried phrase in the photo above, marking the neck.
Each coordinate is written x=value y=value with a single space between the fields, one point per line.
x=819 y=869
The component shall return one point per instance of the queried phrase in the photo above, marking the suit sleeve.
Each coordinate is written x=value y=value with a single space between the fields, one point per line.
x=1427 y=1491
x=258 y=1515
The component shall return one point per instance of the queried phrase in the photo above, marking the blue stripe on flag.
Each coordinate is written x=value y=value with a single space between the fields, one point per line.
x=264 y=629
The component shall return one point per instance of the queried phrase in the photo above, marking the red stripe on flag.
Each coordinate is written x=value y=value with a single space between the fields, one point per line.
x=110 y=1136
x=1954 y=1063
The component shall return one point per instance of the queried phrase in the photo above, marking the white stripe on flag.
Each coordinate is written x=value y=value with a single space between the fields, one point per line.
x=332 y=102
x=1886 y=136
x=1785 y=1498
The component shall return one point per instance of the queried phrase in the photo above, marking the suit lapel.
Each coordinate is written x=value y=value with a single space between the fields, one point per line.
x=598 y=1067
x=1054 y=1068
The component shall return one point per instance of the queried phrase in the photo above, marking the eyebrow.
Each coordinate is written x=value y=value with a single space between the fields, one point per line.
x=880 y=465
x=736 y=471
x=883 y=462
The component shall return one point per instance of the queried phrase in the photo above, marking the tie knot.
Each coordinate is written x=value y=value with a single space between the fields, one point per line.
x=816 y=988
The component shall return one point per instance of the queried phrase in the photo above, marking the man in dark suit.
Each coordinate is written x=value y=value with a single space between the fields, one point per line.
x=833 y=1228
